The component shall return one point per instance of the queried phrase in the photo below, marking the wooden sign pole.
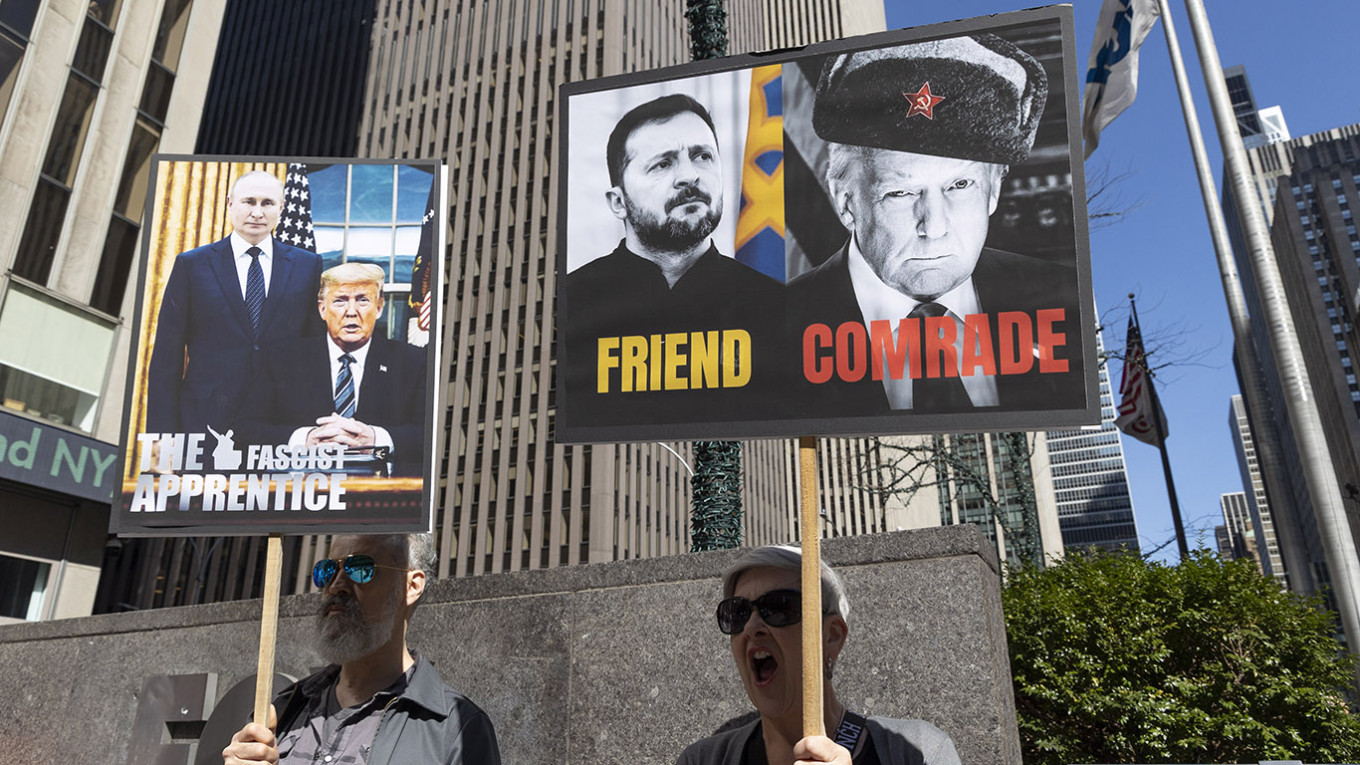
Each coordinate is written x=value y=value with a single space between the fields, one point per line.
x=269 y=628
x=813 y=719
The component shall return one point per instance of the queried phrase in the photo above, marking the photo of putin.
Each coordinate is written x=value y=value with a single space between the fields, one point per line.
x=914 y=311
x=222 y=304
x=666 y=327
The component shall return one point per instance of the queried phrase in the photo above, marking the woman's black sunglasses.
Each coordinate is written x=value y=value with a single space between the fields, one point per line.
x=359 y=569
x=778 y=608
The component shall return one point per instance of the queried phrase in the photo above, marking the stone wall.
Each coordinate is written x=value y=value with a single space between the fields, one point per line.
x=611 y=663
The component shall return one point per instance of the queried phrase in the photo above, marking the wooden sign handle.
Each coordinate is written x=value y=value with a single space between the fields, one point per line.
x=813 y=719
x=269 y=628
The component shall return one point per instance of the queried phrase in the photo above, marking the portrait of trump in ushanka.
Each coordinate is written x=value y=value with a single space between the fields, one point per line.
x=915 y=311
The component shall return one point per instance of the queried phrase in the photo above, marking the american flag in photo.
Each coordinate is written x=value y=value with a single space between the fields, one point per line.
x=422 y=271
x=295 y=222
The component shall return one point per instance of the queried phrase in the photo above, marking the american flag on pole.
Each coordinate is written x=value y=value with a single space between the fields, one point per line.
x=1112 y=76
x=421 y=273
x=295 y=221
x=1136 y=404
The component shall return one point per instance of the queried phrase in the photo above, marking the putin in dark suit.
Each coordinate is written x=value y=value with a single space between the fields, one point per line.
x=350 y=387
x=222 y=303
x=915 y=311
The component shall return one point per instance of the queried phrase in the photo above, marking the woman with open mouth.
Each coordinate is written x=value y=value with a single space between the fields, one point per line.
x=760 y=612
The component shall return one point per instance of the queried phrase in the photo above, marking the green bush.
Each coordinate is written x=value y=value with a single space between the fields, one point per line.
x=1117 y=659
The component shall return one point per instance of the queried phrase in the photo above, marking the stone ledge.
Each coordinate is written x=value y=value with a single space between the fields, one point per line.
x=844 y=551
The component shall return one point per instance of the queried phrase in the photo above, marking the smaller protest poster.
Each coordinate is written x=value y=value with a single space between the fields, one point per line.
x=281 y=374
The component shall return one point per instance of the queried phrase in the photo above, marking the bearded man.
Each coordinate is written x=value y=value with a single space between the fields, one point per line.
x=667 y=280
x=377 y=703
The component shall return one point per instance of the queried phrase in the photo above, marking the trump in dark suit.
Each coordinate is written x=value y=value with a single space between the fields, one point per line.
x=222 y=303
x=918 y=313
x=350 y=387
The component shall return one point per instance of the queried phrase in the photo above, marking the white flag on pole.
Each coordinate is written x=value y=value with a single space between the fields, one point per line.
x=1112 y=77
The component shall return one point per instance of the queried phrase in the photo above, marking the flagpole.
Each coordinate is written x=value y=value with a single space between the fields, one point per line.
x=1319 y=473
x=1248 y=363
x=1161 y=442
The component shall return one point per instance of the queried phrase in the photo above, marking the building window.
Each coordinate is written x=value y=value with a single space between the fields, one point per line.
x=372 y=214
x=72 y=126
x=11 y=53
x=62 y=386
x=16 y=23
x=23 y=587
x=92 y=52
x=38 y=247
x=120 y=245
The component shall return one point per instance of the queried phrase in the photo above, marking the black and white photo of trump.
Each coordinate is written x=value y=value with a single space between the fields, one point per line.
x=920 y=306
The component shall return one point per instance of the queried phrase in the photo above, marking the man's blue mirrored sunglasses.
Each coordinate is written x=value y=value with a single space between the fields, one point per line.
x=359 y=569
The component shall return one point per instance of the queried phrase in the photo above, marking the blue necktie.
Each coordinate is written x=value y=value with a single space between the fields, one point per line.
x=344 y=388
x=936 y=394
x=255 y=289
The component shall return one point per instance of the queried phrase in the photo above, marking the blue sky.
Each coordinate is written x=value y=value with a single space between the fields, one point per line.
x=1299 y=56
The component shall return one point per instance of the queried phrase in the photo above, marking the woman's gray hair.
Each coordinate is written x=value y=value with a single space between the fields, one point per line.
x=789 y=558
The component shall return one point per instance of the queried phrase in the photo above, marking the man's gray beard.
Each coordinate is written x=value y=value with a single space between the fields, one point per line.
x=344 y=637
x=670 y=235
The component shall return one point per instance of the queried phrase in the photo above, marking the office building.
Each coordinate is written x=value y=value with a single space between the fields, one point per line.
x=1306 y=189
x=1001 y=481
x=88 y=91
x=1268 y=547
x=1090 y=479
x=1258 y=127
x=1238 y=538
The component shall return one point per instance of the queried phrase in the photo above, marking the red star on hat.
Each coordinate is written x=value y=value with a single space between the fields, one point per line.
x=922 y=102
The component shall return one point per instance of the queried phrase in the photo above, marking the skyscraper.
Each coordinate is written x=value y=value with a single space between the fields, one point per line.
x=88 y=91
x=1238 y=538
x=1306 y=188
x=1253 y=482
x=1091 y=480
x=1001 y=481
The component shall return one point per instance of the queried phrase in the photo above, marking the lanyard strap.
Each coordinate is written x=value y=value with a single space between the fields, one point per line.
x=850 y=733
